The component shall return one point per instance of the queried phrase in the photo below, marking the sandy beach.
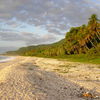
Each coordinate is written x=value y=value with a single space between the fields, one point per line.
x=34 y=78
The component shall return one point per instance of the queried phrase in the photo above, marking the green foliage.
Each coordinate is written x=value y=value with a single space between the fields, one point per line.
x=79 y=40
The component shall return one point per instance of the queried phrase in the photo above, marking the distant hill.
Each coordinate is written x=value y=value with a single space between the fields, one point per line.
x=79 y=40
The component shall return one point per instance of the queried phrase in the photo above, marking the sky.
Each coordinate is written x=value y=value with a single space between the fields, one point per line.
x=33 y=22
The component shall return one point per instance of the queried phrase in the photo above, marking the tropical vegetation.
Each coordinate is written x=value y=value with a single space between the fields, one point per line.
x=78 y=41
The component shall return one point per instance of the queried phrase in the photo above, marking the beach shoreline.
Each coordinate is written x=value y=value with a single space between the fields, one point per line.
x=6 y=58
x=45 y=78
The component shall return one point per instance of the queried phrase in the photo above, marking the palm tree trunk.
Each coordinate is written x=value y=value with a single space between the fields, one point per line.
x=92 y=43
x=86 y=47
x=97 y=34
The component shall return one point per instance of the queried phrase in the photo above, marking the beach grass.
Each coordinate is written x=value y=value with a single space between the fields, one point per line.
x=83 y=58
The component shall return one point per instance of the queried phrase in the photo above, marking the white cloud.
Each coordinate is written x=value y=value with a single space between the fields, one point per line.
x=56 y=16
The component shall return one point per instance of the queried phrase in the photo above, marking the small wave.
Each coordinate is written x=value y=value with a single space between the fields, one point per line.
x=5 y=59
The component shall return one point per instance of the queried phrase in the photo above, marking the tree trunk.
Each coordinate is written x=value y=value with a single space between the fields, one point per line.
x=92 y=43
x=86 y=46
x=97 y=34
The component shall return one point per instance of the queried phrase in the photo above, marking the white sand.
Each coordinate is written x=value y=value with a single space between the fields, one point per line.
x=33 y=78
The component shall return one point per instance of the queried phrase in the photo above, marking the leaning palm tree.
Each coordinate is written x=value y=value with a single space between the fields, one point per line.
x=94 y=26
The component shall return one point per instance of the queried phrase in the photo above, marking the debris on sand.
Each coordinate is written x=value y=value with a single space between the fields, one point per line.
x=89 y=95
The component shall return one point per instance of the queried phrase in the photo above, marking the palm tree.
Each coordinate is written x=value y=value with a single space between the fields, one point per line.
x=93 y=19
x=94 y=26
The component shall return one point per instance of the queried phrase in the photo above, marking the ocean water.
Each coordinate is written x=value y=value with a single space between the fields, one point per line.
x=5 y=58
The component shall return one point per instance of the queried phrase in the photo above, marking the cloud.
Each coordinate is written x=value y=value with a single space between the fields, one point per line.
x=42 y=11
x=27 y=38
x=10 y=36
x=32 y=39
x=5 y=49
x=55 y=16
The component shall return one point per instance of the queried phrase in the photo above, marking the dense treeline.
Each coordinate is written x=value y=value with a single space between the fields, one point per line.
x=79 y=40
x=83 y=38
